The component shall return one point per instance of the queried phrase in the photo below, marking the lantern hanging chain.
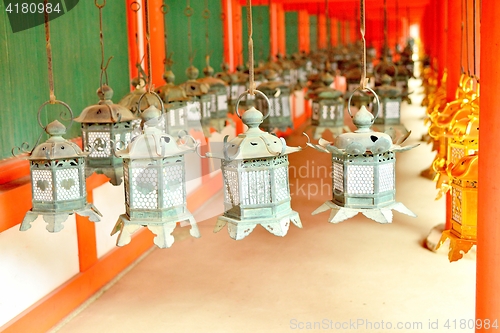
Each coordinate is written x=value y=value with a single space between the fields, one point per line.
x=148 y=46
x=189 y=12
x=101 y=39
x=165 y=9
x=250 y=49
x=206 y=16
x=49 y=56
x=363 y=82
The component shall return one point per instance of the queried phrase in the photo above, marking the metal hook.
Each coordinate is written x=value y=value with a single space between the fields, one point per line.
x=100 y=6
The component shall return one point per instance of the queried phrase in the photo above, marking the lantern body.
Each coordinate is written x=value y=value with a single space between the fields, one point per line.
x=176 y=121
x=155 y=192
x=256 y=187
x=58 y=184
x=390 y=110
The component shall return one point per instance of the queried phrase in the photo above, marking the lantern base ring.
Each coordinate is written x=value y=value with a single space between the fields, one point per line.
x=55 y=220
x=163 y=229
x=380 y=214
x=239 y=229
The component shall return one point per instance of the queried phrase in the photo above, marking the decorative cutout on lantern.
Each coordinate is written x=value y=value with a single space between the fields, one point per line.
x=363 y=172
x=255 y=174
x=104 y=125
x=58 y=188
x=155 y=190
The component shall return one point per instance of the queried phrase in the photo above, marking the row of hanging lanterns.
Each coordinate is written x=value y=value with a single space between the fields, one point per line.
x=254 y=165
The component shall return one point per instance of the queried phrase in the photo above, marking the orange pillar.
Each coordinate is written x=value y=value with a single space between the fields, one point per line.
x=355 y=34
x=133 y=38
x=273 y=22
x=442 y=37
x=237 y=24
x=321 y=31
x=157 y=40
x=488 y=217
x=334 y=35
x=453 y=55
x=227 y=21
x=281 y=27
x=304 y=30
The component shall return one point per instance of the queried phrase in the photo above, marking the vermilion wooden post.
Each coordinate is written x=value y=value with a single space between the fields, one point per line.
x=321 y=31
x=157 y=40
x=334 y=34
x=488 y=219
x=442 y=37
x=273 y=22
x=237 y=32
x=304 y=30
x=281 y=27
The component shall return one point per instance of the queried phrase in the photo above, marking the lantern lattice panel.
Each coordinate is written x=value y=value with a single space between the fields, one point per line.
x=360 y=179
x=392 y=109
x=281 y=179
x=68 y=184
x=145 y=189
x=338 y=177
x=456 y=154
x=42 y=191
x=231 y=188
x=456 y=205
x=98 y=142
x=258 y=185
x=386 y=177
x=174 y=191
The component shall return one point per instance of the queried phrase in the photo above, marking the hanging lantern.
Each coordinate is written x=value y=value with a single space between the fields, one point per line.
x=104 y=125
x=218 y=104
x=363 y=172
x=327 y=108
x=390 y=104
x=176 y=106
x=255 y=174
x=199 y=101
x=58 y=183
x=155 y=190
x=463 y=231
x=278 y=109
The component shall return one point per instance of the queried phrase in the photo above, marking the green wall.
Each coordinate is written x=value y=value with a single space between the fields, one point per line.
x=313 y=32
x=261 y=33
x=292 y=32
x=177 y=35
x=76 y=60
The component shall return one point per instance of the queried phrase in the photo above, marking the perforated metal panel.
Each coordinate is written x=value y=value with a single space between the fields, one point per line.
x=456 y=205
x=338 y=177
x=392 y=109
x=386 y=177
x=173 y=191
x=99 y=143
x=360 y=179
x=456 y=154
x=285 y=100
x=221 y=102
x=281 y=184
x=144 y=187
x=256 y=187
x=42 y=185
x=231 y=185
x=67 y=184
x=194 y=111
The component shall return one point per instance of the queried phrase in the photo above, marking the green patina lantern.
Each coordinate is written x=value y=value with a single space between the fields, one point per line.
x=276 y=105
x=218 y=94
x=58 y=183
x=327 y=108
x=363 y=173
x=390 y=102
x=199 y=100
x=155 y=190
x=176 y=106
x=105 y=125
x=256 y=186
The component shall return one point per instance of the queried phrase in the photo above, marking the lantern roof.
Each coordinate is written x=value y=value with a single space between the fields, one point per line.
x=153 y=143
x=363 y=139
x=105 y=111
x=254 y=143
x=130 y=100
x=386 y=90
x=56 y=147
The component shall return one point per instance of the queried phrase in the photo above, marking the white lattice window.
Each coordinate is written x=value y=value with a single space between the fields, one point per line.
x=281 y=183
x=360 y=179
x=99 y=144
x=338 y=177
x=194 y=111
x=255 y=187
x=173 y=189
x=456 y=154
x=392 y=109
x=285 y=100
x=67 y=184
x=231 y=187
x=145 y=188
x=386 y=177
x=222 y=102
x=42 y=185
x=456 y=205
